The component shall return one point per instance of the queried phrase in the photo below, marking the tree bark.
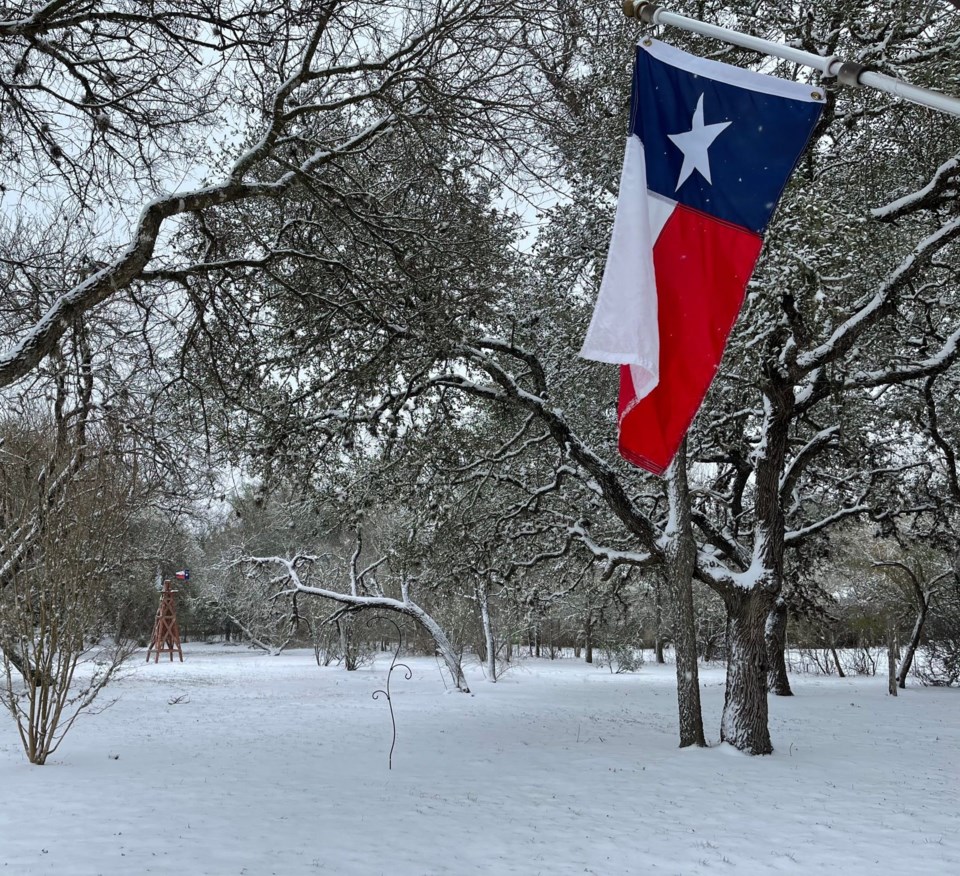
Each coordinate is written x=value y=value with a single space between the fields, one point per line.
x=923 y=595
x=744 y=721
x=346 y=646
x=483 y=597
x=778 y=682
x=923 y=606
x=680 y=557
x=836 y=660
x=450 y=657
x=588 y=637
x=892 y=657
x=658 y=621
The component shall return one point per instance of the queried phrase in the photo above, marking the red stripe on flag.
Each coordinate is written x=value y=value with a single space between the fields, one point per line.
x=702 y=267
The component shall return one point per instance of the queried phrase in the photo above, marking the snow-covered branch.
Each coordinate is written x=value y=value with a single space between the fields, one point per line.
x=722 y=539
x=601 y=471
x=315 y=83
x=941 y=189
x=42 y=337
x=935 y=364
x=796 y=536
x=882 y=303
x=611 y=557
x=803 y=457
x=292 y=567
x=945 y=447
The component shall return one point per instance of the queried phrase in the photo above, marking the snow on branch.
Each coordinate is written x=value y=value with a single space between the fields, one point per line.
x=611 y=558
x=532 y=501
x=390 y=88
x=513 y=447
x=883 y=302
x=354 y=601
x=724 y=540
x=796 y=536
x=613 y=490
x=823 y=439
x=935 y=364
x=941 y=189
x=945 y=446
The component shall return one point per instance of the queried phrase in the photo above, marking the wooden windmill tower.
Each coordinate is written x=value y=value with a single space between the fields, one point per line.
x=166 y=632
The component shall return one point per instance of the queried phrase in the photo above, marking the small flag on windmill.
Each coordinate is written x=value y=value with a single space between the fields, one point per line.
x=182 y=575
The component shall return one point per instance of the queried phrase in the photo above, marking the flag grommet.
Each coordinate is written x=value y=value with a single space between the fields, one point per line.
x=816 y=95
x=647 y=41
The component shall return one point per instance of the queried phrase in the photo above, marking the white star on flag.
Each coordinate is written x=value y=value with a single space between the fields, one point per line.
x=694 y=145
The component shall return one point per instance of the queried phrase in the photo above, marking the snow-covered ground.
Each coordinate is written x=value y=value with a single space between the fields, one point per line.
x=270 y=765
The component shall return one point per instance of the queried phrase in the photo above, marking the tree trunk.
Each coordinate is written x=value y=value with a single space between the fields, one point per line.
x=892 y=657
x=776 y=640
x=346 y=646
x=923 y=606
x=836 y=660
x=709 y=648
x=588 y=637
x=744 y=722
x=680 y=557
x=658 y=621
x=483 y=597
x=450 y=657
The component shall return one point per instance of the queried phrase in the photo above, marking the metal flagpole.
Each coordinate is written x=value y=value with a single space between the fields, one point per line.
x=847 y=72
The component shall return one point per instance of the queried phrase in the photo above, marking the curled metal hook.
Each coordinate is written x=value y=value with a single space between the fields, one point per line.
x=408 y=674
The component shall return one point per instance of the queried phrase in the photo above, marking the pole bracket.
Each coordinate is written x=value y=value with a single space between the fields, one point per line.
x=641 y=9
x=850 y=73
x=647 y=12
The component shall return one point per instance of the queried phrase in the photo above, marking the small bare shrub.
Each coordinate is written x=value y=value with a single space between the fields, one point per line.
x=58 y=623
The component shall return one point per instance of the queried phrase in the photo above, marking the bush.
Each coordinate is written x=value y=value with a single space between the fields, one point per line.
x=621 y=657
x=55 y=607
x=938 y=662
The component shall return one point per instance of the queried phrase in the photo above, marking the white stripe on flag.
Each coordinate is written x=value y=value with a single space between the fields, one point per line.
x=624 y=328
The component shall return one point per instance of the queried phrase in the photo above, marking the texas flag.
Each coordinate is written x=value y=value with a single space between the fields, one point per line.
x=709 y=152
x=182 y=575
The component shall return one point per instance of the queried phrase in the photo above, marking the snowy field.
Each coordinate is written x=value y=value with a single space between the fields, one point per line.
x=269 y=765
